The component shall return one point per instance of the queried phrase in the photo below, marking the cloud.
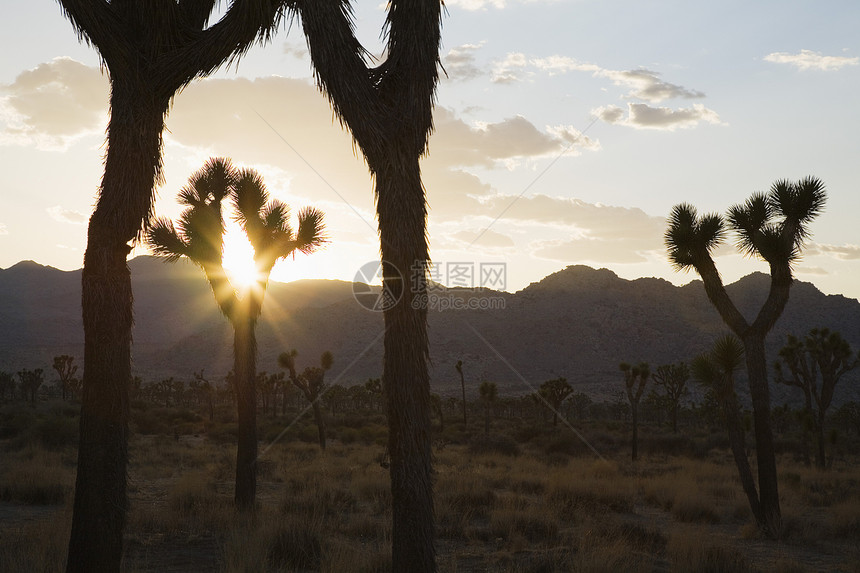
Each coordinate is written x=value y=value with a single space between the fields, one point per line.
x=53 y=104
x=484 y=238
x=555 y=65
x=459 y=63
x=484 y=144
x=600 y=233
x=473 y=5
x=809 y=60
x=62 y=215
x=643 y=116
x=812 y=271
x=296 y=50
x=586 y=219
x=3 y=229
x=598 y=251
x=646 y=84
x=287 y=131
x=512 y=69
x=843 y=252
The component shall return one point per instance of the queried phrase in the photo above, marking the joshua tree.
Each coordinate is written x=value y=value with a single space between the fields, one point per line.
x=207 y=391
x=7 y=384
x=66 y=371
x=459 y=367
x=635 y=379
x=554 y=392
x=822 y=353
x=773 y=227
x=389 y=110
x=336 y=398
x=716 y=372
x=198 y=236
x=151 y=51
x=311 y=382
x=673 y=379
x=580 y=402
x=31 y=380
x=488 y=394
x=436 y=405
x=374 y=390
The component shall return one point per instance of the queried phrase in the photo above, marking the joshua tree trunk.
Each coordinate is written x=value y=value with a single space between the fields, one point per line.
x=675 y=418
x=731 y=412
x=634 y=416
x=134 y=139
x=244 y=348
x=765 y=452
x=820 y=455
x=318 y=416
x=402 y=215
x=389 y=112
x=463 y=387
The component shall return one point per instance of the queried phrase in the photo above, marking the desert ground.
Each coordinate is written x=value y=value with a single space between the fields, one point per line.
x=527 y=497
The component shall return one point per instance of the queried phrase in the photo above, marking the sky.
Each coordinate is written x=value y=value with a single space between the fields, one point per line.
x=565 y=131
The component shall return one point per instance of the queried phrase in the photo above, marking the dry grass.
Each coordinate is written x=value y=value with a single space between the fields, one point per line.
x=36 y=477
x=693 y=550
x=36 y=545
x=331 y=511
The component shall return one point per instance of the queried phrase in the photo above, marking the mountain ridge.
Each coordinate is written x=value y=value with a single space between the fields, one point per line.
x=578 y=323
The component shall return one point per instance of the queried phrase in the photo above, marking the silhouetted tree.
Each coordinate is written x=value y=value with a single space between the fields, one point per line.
x=847 y=416
x=151 y=52
x=580 y=402
x=207 y=392
x=554 y=392
x=715 y=371
x=30 y=381
x=66 y=371
x=672 y=378
x=312 y=384
x=436 y=405
x=374 y=389
x=635 y=379
x=459 y=367
x=823 y=355
x=335 y=397
x=771 y=226
x=488 y=393
x=7 y=384
x=388 y=109
x=199 y=236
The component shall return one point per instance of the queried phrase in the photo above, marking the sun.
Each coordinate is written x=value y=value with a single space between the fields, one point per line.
x=238 y=257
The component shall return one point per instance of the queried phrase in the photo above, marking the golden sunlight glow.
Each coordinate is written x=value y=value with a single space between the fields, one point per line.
x=238 y=257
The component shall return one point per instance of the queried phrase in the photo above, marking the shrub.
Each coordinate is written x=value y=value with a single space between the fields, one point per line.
x=692 y=551
x=845 y=519
x=295 y=546
x=489 y=445
x=191 y=492
x=149 y=422
x=531 y=524
x=14 y=421
x=692 y=507
x=348 y=435
x=40 y=480
x=56 y=431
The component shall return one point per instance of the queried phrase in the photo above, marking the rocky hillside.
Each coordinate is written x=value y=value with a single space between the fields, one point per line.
x=578 y=323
